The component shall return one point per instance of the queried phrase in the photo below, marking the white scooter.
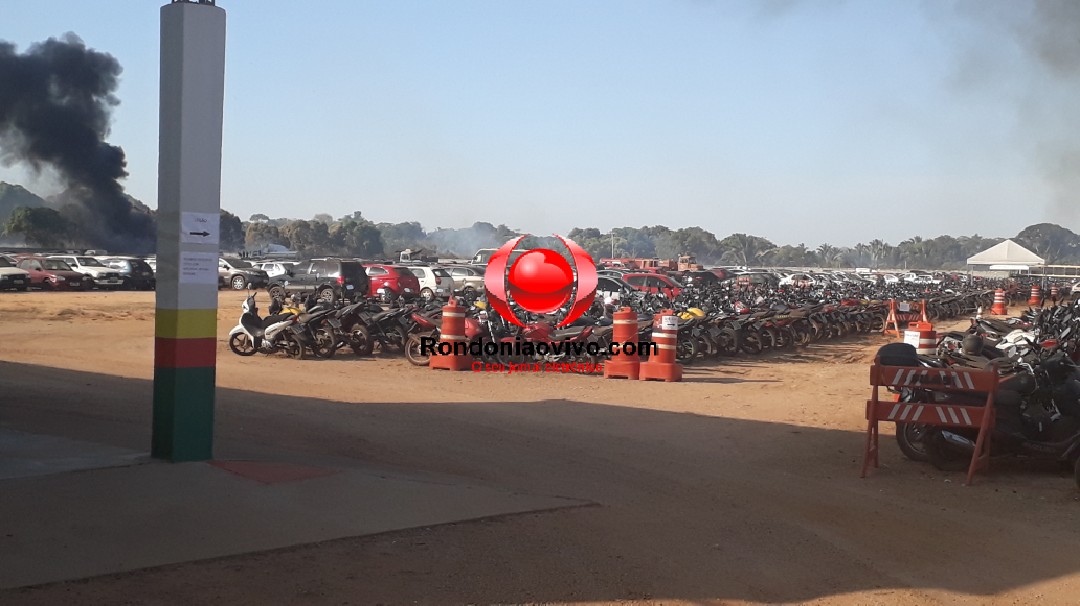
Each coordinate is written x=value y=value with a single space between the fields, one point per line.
x=267 y=335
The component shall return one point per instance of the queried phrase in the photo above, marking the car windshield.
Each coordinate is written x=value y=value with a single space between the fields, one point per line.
x=90 y=262
x=56 y=265
x=5 y=263
x=238 y=264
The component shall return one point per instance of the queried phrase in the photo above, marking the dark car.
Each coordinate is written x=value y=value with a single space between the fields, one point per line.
x=701 y=279
x=136 y=273
x=330 y=279
x=240 y=274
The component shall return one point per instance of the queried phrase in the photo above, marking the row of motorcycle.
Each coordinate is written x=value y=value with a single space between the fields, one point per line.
x=1037 y=403
x=714 y=322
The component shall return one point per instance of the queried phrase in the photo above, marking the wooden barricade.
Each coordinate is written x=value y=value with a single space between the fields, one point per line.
x=973 y=383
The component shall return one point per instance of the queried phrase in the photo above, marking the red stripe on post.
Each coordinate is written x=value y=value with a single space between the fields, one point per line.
x=185 y=353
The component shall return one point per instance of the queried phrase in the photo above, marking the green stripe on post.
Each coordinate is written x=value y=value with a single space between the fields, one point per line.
x=183 y=414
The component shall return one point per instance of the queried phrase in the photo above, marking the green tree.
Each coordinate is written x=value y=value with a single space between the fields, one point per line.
x=744 y=249
x=232 y=232
x=1054 y=243
x=41 y=226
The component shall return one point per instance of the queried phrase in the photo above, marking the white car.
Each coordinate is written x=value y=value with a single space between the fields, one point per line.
x=11 y=277
x=891 y=278
x=798 y=280
x=98 y=274
x=435 y=282
x=276 y=268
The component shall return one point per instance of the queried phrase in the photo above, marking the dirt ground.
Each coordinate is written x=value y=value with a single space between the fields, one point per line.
x=739 y=485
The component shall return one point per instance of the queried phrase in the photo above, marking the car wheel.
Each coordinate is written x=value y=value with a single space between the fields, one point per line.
x=426 y=294
x=276 y=292
x=468 y=291
x=326 y=293
x=238 y=282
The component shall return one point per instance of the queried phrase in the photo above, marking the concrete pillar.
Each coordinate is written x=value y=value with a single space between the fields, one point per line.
x=189 y=207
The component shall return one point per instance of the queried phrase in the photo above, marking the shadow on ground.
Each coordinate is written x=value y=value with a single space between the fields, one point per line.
x=693 y=507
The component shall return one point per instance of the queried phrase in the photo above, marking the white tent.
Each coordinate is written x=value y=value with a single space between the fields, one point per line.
x=1007 y=255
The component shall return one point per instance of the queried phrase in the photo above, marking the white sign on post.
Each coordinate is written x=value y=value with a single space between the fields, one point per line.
x=200 y=228
x=198 y=267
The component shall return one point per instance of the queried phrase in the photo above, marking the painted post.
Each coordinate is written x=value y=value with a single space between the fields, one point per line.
x=189 y=208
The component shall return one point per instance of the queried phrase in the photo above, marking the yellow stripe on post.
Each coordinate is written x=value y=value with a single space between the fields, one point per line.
x=186 y=323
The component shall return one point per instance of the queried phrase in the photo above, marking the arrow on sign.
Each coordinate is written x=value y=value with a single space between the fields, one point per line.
x=199 y=233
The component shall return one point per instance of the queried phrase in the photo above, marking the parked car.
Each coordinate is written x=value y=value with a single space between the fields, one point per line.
x=325 y=278
x=611 y=289
x=52 y=274
x=275 y=269
x=96 y=273
x=700 y=278
x=240 y=274
x=135 y=273
x=653 y=283
x=467 y=278
x=11 y=277
x=798 y=280
x=388 y=282
x=434 y=281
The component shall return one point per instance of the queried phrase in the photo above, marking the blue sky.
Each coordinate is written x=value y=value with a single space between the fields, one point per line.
x=804 y=122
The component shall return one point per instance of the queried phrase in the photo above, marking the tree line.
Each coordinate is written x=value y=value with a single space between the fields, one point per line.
x=355 y=236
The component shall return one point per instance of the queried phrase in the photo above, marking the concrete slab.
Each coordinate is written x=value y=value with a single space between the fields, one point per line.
x=74 y=525
x=27 y=454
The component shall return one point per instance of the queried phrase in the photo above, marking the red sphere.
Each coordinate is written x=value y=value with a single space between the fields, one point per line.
x=541 y=281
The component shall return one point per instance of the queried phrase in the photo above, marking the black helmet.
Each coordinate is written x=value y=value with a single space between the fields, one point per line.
x=973 y=345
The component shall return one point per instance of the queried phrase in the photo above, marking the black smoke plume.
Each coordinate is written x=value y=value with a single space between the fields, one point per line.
x=56 y=101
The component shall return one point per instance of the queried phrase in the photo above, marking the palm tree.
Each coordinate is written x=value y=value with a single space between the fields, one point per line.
x=828 y=254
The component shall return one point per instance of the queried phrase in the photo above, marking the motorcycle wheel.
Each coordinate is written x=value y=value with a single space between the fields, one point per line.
x=751 y=343
x=686 y=351
x=360 y=341
x=941 y=454
x=325 y=344
x=728 y=342
x=413 y=352
x=242 y=345
x=293 y=348
x=909 y=436
x=768 y=339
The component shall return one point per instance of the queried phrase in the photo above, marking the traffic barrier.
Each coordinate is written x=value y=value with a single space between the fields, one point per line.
x=452 y=332
x=900 y=312
x=662 y=365
x=624 y=330
x=974 y=385
x=1036 y=296
x=923 y=337
x=1055 y=292
x=892 y=321
x=923 y=313
x=999 y=308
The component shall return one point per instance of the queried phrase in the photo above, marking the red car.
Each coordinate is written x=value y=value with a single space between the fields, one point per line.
x=388 y=282
x=52 y=274
x=654 y=283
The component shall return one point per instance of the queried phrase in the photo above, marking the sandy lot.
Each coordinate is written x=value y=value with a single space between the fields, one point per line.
x=739 y=485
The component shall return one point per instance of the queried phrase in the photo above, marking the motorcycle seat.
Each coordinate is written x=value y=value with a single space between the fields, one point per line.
x=252 y=324
x=274 y=319
x=567 y=333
